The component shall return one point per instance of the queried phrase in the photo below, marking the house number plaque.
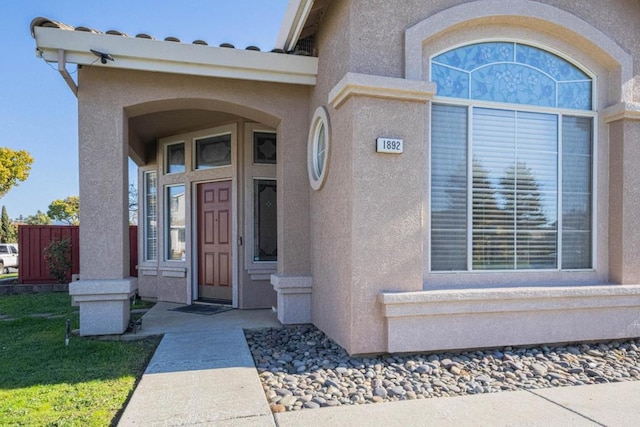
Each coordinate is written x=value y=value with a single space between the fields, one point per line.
x=389 y=145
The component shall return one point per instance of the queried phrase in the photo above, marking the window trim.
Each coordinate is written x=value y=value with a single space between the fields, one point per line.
x=194 y=151
x=560 y=112
x=253 y=132
x=470 y=104
x=167 y=221
x=318 y=178
x=258 y=270
x=533 y=43
x=166 y=157
x=252 y=245
x=145 y=228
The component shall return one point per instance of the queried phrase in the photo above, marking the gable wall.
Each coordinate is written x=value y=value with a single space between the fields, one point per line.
x=359 y=37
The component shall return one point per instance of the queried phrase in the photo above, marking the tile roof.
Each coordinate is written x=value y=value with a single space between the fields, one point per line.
x=49 y=23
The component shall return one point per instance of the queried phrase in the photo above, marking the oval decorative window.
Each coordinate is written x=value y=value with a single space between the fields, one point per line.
x=318 y=148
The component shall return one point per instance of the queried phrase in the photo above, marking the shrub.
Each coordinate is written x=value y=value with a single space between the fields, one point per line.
x=58 y=257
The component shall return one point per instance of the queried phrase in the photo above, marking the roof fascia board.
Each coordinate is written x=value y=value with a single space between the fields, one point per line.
x=293 y=23
x=179 y=58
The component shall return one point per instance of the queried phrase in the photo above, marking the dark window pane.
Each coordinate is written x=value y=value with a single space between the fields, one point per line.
x=213 y=151
x=175 y=158
x=264 y=148
x=265 y=217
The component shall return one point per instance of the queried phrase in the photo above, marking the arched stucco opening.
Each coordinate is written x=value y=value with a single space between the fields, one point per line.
x=149 y=121
x=525 y=20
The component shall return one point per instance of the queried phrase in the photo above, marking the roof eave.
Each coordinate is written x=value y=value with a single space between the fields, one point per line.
x=169 y=57
x=295 y=18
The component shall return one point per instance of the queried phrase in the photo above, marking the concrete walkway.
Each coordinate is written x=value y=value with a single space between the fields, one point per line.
x=203 y=374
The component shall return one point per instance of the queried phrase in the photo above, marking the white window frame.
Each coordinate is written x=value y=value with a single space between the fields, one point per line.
x=560 y=113
x=165 y=155
x=167 y=222
x=145 y=212
x=318 y=173
x=258 y=270
x=513 y=275
x=194 y=150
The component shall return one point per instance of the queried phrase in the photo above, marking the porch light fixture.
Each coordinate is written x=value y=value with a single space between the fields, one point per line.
x=104 y=57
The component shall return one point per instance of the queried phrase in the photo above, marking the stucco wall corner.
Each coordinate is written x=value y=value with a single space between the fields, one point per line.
x=380 y=87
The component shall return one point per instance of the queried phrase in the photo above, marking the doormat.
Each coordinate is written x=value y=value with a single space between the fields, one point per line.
x=207 y=310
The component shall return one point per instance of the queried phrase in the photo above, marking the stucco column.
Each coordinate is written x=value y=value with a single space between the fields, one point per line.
x=293 y=282
x=386 y=198
x=293 y=197
x=624 y=200
x=104 y=238
x=105 y=286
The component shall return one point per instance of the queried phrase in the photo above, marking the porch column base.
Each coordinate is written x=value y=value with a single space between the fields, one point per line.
x=294 y=298
x=104 y=304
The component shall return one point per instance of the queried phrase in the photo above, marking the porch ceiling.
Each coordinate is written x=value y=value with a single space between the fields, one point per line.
x=146 y=129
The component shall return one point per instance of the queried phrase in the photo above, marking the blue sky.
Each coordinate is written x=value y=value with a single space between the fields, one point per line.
x=38 y=112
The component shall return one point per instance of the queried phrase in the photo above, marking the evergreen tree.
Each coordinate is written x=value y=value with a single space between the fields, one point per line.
x=7 y=230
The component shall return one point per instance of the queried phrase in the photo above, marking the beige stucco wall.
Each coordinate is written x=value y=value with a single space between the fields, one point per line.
x=387 y=211
x=109 y=97
x=624 y=219
x=359 y=37
x=331 y=222
x=377 y=33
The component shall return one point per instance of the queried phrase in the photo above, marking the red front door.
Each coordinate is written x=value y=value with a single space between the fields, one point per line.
x=215 y=278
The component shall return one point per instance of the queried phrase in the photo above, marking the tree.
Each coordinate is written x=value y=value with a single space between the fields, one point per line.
x=14 y=166
x=65 y=210
x=7 y=229
x=40 y=218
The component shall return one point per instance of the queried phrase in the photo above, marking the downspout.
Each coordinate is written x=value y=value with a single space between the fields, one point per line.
x=62 y=69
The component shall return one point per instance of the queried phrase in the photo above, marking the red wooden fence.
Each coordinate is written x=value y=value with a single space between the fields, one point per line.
x=32 y=239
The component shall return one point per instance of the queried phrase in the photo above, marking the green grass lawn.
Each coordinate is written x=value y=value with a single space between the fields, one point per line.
x=43 y=382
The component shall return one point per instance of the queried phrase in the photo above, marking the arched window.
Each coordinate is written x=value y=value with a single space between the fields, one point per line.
x=511 y=160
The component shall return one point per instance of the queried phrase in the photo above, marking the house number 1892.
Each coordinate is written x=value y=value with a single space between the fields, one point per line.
x=389 y=145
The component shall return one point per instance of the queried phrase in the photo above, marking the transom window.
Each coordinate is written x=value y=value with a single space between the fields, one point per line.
x=511 y=187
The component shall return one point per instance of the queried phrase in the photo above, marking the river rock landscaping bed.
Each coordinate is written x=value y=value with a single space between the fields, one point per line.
x=301 y=368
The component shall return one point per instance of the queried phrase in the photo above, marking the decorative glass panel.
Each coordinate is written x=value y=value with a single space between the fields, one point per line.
x=176 y=204
x=265 y=216
x=151 y=216
x=175 y=158
x=513 y=84
x=264 y=148
x=558 y=68
x=512 y=73
x=451 y=83
x=213 y=151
